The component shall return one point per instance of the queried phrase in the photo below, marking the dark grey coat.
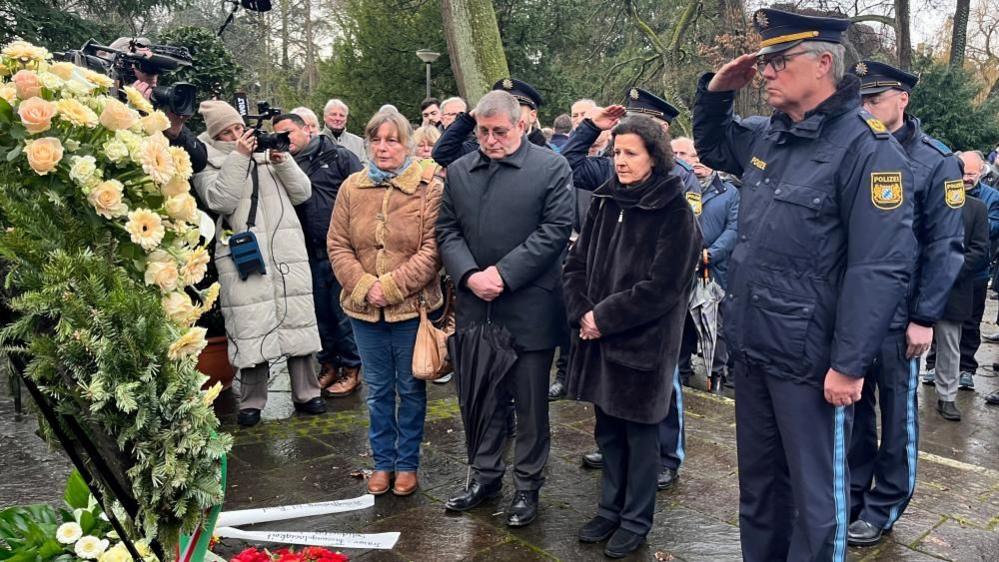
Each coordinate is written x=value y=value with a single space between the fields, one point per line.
x=515 y=213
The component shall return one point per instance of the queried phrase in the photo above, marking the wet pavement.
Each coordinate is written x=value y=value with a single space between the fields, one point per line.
x=291 y=459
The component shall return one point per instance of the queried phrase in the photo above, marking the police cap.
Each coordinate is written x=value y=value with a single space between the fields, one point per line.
x=524 y=92
x=647 y=103
x=783 y=30
x=876 y=77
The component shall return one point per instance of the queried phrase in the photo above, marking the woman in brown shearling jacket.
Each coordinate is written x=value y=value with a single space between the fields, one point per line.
x=384 y=253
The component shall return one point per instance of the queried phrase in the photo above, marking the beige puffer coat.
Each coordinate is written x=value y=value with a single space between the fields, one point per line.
x=385 y=233
x=272 y=315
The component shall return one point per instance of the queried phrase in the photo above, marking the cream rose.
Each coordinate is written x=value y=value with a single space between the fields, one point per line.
x=191 y=343
x=43 y=154
x=176 y=186
x=9 y=93
x=161 y=271
x=83 y=170
x=117 y=553
x=145 y=228
x=27 y=84
x=50 y=81
x=117 y=115
x=155 y=122
x=116 y=151
x=36 y=114
x=182 y=207
x=106 y=198
x=76 y=113
x=179 y=308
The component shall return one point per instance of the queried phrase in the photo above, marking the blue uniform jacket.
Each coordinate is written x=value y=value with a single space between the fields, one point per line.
x=937 y=222
x=825 y=243
x=719 y=225
x=990 y=197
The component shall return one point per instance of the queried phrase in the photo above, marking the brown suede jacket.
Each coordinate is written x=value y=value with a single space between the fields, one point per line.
x=385 y=233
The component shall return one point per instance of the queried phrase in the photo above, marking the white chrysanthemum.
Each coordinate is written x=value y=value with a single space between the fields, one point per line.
x=90 y=547
x=69 y=533
x=132 y=141
x=83 y=169
x=72 y=145
x=50 y=81
x=116 y=151
x=145 y=228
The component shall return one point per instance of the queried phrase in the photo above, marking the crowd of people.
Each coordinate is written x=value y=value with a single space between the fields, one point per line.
x=848 y=243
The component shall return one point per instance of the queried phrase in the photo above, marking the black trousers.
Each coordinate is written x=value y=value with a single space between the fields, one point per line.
x=628 y=490
x=793 y=473
x=527 y=385
x=971 y=331
x=335 y=332
x=883 y=477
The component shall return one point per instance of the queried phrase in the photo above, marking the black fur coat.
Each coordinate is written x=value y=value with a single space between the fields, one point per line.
x=633 y=265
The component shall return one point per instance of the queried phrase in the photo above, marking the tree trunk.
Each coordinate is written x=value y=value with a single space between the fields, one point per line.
x=903 y=34
x=959 y=38
x=285 y=9
x=474 y=45
x=311 y=76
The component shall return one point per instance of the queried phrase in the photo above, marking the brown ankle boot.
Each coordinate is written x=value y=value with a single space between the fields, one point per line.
x=328 y=375
x=378 y=484
x=405 y=484
x=348 y=383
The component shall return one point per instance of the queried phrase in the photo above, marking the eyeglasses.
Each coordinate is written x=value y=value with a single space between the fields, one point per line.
x=879 y=98
x=777 y=62
x=498 y=134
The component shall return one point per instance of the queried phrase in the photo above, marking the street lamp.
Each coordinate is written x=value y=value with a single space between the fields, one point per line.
x=428 y=56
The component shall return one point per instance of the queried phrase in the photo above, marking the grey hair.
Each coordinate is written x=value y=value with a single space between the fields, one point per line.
x=585 y=100
x=335 y=103
x=454 y=99
x=402 y=127
x=306 y=114
x=835 y=50
x=388 y=107
x=498 y=102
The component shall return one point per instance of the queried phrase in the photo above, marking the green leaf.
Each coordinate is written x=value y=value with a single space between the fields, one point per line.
x=17 y=131
x=87 y=522
x=6 y=111
x=77 y=494
x=14 y=153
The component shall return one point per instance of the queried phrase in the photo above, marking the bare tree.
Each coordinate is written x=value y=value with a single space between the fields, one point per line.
x=959 y=37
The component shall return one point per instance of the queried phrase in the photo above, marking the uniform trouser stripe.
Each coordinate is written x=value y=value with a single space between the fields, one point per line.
x=839 y=483
x=678 y=398
x=911 y=445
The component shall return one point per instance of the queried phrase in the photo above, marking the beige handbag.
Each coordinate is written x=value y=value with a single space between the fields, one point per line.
x=430 y=357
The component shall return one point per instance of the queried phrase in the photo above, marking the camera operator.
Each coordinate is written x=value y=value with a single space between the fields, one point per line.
x=146 y=78
x=268 y=313
x=327 y=164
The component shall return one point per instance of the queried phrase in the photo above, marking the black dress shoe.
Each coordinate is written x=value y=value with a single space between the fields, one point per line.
x=474 y=495
x=598 y=529
x=948 y=410
x=523 y=508
x=623 y=543
x=862 y=533
x=666 y=479
x=312 y=407
x=556 y=391
x=248 y=417
x=992 y=399
x=593 y=460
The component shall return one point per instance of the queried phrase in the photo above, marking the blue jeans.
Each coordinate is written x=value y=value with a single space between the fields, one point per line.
x=386 y=351
x=335 y=334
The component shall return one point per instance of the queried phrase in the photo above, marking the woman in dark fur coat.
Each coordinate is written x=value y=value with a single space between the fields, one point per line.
x=627 y=283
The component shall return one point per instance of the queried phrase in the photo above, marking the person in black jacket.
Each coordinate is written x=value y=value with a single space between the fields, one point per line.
x=627 y=282
x=960 y=306
x=327 y=164
x=502 y=232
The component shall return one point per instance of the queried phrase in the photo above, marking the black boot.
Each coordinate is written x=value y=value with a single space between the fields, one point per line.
x=556 y=391
x=623 y=543
x=593 y=460
x=472 y=496
x=948 y=410
x=862 y=533
x=597 y=530
x=667 y=479
x=523 y=509
x=248 y=417
x=312 y=407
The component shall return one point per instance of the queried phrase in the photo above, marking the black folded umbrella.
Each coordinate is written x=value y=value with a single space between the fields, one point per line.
x=482 y=356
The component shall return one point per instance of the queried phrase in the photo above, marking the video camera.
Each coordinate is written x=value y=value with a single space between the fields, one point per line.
x=120 y=66
x=279 y=142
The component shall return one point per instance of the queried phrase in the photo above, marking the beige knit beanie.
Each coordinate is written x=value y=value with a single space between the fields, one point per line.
x=218 y=116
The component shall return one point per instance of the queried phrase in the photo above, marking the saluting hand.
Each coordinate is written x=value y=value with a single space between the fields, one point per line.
x=606 y=117
x=842 y=390
x=588 y=327
x=734 y=75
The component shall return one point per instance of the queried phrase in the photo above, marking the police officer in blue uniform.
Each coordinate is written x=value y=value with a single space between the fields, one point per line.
x=457 y=140
x=884 y=477
x=589 y=173
x=823 y=259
